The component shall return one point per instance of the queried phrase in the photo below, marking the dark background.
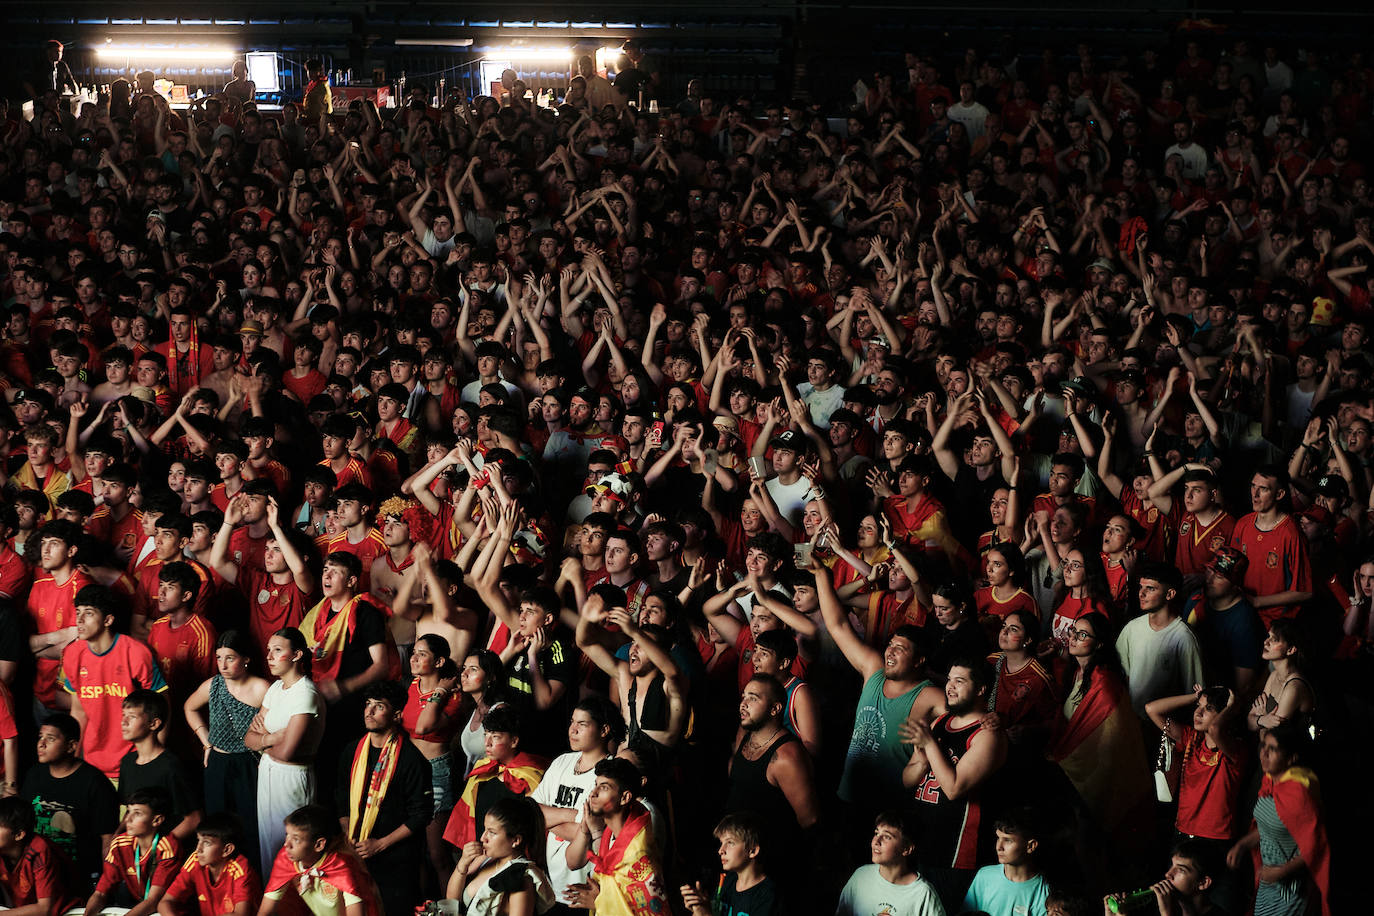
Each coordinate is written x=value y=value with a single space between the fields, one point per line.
x=814 y=49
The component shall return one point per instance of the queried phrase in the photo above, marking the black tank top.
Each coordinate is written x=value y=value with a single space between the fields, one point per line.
x=649 y=711
x=950 y=827
x=750 y=789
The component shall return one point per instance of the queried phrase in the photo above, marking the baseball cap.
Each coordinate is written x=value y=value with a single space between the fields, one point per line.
x=1230 y=563
x=1102 y=264
x=36 y=395
x=1316 y=513
x=1080 y=386
x=1333 y=486
x=788 y=440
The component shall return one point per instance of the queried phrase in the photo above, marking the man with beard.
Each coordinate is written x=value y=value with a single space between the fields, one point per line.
x=952 y=760
x=770 y=775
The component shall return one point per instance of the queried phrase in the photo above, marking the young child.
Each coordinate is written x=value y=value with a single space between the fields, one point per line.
x=743 y=888
x=35 y=874
x=318 y=867
x=1184 y=887
x=1014 y=886
x=217 y=877
x=142 y=861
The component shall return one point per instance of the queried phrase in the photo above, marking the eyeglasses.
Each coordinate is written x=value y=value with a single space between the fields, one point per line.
x=1073 y=564
x=1081 y=635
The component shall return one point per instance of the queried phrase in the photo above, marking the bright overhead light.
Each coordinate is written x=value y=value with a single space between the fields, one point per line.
x=517 y=53
x=166 y=54
x=435 y=42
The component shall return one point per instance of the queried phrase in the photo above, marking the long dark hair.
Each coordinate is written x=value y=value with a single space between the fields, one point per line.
x=444 y=665
x=1095 y=585
x=1104 y=657
x=495 y=689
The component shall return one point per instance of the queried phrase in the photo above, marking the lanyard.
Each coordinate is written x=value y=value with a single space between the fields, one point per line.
x=138 y=864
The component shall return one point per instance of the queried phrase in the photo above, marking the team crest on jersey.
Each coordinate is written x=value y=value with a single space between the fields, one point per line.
x=1217 y=543
x=1185 y=527
x=1152 y=516
x=1272 y=560
x=264 y=596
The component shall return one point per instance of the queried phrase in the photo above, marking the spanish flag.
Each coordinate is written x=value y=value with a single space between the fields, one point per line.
x=626 y=870
x=521 y=776
x=1297 y=799
x=1101 y=750
x=339 y=870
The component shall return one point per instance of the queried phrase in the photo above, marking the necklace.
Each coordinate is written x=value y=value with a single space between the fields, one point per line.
x=752 y=744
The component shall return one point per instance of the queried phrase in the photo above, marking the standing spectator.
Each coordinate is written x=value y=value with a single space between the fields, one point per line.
x=287 y=733
x=233 y=696
x=384 y=793
x=149 y=765
x=890 y=876
x=75 y=803
x=101 y=668
x=1158 y=651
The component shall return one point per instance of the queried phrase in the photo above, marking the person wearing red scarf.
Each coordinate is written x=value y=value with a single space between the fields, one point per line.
x=318 y=870
x=504 y=771
x=1287 y=839
x=617 y=837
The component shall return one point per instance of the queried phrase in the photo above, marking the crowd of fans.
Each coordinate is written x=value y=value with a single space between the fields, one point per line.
x=958 y=502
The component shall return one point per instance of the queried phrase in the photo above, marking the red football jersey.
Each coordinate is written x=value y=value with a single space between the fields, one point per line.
x=100 y=683
x=1278 y=562
x=52 y=608
x=238 y=883
x=1197 y=542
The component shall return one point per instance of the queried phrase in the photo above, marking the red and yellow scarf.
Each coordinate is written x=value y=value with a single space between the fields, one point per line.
x=521 y=775
x=363 y=808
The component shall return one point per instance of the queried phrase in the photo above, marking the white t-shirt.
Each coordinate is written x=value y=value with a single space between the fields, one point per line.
x=1158 y=663
x=867 y=893
x=281 y=703
x=789 y=498
x=563 y=787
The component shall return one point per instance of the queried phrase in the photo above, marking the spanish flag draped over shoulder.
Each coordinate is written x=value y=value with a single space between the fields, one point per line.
x=1297 y=799
x=340 y=868
x=626 y=870
x=1101 y=750
x=521 y=776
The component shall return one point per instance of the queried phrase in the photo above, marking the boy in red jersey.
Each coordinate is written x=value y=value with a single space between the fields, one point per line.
x=32 y=870
x=141 y=862
x=278 y=595
x=359 y=536
x=52 y=607
x=99 y=669
x=1279 y=578
x=182 y=640
x=123 y=526
x=1203 y=525
x=216 y=877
